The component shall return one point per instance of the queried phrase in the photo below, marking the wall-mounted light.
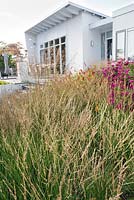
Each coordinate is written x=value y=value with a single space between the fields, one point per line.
x=92 y=43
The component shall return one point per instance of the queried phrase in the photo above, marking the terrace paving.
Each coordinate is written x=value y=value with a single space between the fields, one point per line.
x=13 y=84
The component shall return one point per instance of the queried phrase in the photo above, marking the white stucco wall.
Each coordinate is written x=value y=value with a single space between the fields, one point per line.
x=91 y=55
x=78 y=37
x=53 y=33
x=75 y=43
x=31 y=46
x=72 y=29
x=79 y=52
x=122 y=20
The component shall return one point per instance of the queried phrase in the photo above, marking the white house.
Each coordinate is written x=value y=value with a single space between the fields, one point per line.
x=75 y=37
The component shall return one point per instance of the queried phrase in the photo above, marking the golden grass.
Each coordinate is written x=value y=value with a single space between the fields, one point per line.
x=63 y=141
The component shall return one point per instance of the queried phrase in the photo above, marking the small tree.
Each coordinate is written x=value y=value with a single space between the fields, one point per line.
x=13 y=50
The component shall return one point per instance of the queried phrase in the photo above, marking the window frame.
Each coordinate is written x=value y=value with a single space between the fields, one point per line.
x=106 y=38
x=49 y=47
x=121 y=31
x=128 y=30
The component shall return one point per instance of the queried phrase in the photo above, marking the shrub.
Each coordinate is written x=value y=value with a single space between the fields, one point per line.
x=3 y=83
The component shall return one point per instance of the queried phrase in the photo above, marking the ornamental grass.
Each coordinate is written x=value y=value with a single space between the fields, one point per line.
x=65 y=141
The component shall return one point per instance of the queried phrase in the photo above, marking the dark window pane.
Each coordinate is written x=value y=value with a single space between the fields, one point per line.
x=51 y=43
x=63 y=39
x=56 y=41
x=46 y=44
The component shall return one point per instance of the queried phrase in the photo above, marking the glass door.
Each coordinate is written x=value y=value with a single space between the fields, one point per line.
x=106 y=45
x=109 y=49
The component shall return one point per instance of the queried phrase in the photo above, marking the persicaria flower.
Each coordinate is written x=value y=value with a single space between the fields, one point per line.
x=126 y=62
x=119 y=106
x=120 y=76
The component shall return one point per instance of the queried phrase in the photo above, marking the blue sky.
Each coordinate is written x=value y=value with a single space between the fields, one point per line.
x=16 y=16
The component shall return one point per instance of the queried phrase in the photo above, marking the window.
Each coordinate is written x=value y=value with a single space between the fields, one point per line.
x=106 y=45
x=51 y=43
x=56 y=41
x=52 y=60
x=63 y=40
x=120 y=44
x=46 y=57
x=109 y=34
x=57 y=54
x=63 y=53
x=42 y=56
x=131 y=44
x=54 y=55
x=46 y=44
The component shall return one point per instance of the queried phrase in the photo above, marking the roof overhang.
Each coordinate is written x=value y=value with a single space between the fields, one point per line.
x=102 y=24
x=124 y=10
x=67 y=11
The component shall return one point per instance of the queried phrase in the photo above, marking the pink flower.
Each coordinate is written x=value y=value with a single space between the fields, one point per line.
x=120 y=83
x=119 y=106
x=126 y=62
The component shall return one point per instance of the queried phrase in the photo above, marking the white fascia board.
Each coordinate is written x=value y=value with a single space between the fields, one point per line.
x=124 y=10
x=87 y=9
x=101 y=22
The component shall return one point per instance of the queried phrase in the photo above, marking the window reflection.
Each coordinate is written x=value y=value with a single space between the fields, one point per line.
x=53 y=56
x=131 y=45
x=120 y=50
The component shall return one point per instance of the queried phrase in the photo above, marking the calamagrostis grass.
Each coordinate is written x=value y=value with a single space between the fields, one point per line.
x=63 y=141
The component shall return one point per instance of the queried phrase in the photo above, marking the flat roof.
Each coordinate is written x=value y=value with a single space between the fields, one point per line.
x=124 y=10
x=101 y=23
x=63 y=13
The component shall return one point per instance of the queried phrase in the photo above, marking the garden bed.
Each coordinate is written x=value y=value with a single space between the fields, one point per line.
x=66 y=140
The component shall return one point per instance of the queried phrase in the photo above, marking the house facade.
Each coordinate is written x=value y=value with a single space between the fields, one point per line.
x=75 y=37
